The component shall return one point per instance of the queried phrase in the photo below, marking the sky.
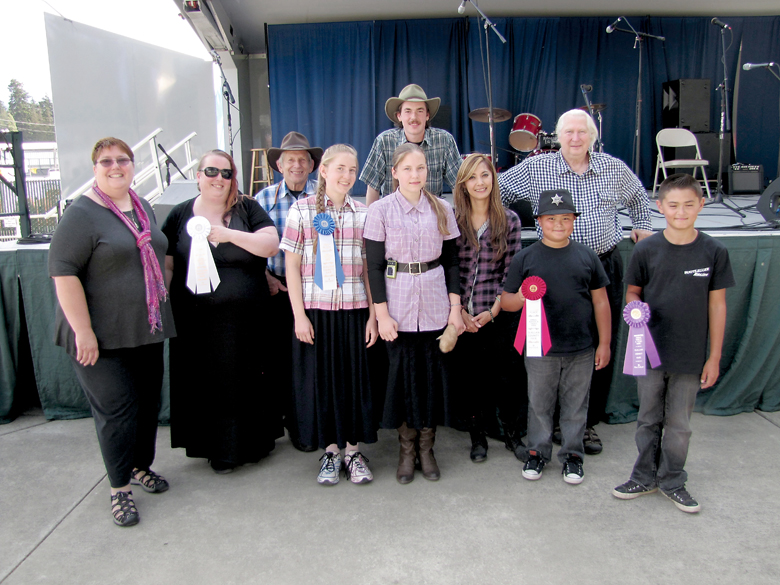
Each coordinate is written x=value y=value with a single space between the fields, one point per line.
x=25 y=56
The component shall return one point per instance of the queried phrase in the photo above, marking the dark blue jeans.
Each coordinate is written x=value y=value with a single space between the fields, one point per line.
x=566 y=380
x=663 y=428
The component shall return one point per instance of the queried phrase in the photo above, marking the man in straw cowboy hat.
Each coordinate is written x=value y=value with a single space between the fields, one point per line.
x=295 y=160
x=410 y=112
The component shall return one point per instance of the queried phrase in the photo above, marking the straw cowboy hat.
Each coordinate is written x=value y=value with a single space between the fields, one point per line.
x=411 y=93
x=294 y=141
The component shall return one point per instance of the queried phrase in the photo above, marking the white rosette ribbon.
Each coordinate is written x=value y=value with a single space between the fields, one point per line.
x=202 y=276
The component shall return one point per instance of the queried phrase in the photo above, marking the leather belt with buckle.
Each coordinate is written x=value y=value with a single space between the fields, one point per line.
x=418 y=267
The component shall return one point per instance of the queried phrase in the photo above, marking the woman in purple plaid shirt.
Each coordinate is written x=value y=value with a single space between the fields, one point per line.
x=413 y=273
x=489 y=236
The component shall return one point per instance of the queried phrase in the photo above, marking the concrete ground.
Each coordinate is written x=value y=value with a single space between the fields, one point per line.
x=272 y=523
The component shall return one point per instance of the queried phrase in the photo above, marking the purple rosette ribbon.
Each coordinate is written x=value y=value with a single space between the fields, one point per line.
x=640 y=343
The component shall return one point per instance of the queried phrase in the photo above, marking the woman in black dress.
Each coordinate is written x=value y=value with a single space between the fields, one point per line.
x=221 y=409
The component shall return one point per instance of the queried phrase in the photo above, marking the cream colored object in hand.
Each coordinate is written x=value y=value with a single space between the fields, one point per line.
x=448 y=339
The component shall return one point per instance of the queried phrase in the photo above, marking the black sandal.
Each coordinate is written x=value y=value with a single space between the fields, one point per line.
x=150 y=481
x=123 y=509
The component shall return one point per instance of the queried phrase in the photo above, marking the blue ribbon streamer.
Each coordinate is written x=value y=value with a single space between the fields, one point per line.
x=324 y=225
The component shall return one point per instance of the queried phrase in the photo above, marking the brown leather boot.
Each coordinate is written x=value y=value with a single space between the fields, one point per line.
x=430 y=469
x=406 y=437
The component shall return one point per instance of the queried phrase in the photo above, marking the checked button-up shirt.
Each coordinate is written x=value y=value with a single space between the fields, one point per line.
x=599 y=193
x=441 y=154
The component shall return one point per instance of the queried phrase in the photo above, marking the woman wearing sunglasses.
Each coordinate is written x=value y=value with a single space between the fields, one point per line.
x=220 y=408
x=112 y=316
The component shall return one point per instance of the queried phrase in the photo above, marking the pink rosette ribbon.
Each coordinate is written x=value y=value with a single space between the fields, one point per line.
x=640 y=343
x=533 y=321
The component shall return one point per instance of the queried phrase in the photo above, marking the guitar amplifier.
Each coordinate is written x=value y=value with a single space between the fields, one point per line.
x=746 y=179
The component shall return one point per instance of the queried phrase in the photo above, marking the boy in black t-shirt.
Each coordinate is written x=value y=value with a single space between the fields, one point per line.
x=682 y=275
x=575 y=281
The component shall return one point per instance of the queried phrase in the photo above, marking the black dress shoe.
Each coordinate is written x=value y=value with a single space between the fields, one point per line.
x=301 y=447
x=514 y=444
x=222 y=467
x=479 y=447
x=557 y=436
x=592 y=442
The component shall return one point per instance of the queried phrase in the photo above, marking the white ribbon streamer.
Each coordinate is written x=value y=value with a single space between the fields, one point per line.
x=202 y=276
x=533 y=328
x=327 y=253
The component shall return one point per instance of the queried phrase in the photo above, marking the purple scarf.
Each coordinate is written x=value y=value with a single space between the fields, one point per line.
x=155 y=284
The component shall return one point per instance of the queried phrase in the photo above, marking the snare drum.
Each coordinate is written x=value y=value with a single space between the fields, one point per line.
x=525 y=132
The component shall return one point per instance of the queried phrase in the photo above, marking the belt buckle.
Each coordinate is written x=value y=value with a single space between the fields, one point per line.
x=412 y=270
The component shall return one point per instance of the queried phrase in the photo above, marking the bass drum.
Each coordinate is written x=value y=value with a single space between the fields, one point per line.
x=525 y=132
x=541 y=151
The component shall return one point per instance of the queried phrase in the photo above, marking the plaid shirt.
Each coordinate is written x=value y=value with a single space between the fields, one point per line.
x=482 y=274
x=411 y=234
x=299 y=237
x=276 y=200
x=598 y=193
x=440 y=150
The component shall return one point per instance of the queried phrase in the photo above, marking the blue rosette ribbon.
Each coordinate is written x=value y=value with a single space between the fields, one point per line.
x=640 y=343
x=328 y=273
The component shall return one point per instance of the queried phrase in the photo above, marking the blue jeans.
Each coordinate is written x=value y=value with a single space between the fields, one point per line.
x=566 y=380
x=666 y=402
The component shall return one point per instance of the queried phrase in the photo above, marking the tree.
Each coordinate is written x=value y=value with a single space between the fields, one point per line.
x=7 y=122
x=36 y=120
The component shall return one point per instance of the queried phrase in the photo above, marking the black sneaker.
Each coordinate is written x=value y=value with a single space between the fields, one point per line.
x=591 y=442
x=515 y=444
x=632 y=489
x=572 y=469
x=533 y=466
x=683 y=500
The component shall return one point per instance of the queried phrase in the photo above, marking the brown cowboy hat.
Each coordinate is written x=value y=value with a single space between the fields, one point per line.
x=294 y=141
x=411 y=93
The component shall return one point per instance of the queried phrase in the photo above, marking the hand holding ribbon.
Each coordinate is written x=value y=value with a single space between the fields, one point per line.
x=328 y=274
x=533 y=321
x=640 y=343
x=202 y=276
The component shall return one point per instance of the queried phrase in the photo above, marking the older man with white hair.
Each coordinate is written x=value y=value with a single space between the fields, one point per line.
x=600 y=185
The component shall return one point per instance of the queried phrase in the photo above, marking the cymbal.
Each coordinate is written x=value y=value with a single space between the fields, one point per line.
x=483 y=115
x=596 y=108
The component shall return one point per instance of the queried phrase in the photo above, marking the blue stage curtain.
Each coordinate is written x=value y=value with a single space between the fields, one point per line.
x=330 y=81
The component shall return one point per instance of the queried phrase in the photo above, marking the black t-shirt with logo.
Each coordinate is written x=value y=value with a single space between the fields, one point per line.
x=676 y=281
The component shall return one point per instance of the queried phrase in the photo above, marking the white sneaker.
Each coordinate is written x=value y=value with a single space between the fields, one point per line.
x=356 y=469
x=330 y=469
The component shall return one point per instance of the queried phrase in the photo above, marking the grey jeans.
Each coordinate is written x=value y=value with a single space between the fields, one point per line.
x=566 y=380
x=663 y=428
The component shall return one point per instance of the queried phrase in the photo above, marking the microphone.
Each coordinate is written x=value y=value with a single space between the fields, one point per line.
x=749 y=66
x=717 y=22
x=611 y=27
x=586 y=88
x=462 y=7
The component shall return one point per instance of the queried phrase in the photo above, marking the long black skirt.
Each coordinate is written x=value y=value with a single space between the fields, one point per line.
x=333 y=402
x=418 y=382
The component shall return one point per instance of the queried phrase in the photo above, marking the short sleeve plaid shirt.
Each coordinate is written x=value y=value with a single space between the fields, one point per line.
x=598 y=193
x=441 y=154
x=299 y=237
x=276 y=200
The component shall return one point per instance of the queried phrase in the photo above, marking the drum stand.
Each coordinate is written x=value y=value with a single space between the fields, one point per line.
x=487 y=23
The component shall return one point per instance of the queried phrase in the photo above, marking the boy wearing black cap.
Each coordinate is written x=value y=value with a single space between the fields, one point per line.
x=575 y=301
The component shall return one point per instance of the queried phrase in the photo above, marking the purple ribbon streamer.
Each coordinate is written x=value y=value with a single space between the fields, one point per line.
x=640 y=343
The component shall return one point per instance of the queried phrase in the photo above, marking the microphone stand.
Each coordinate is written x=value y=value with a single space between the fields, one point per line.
x=229 y=99
x=489 y=24
x=725 y=118
x=638 y=39
x=168 y=162
x=590 y=110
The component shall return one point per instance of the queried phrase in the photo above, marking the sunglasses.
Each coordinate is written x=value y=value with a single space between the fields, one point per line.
x=214 y=171
x=107 y=163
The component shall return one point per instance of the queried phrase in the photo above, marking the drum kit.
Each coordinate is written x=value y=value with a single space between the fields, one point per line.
x=527 y=136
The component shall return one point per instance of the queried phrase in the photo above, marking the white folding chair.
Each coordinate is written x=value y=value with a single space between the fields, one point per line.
x=679 y=138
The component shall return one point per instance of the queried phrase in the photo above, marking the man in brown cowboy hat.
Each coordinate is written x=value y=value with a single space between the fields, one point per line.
x=295 y=160
x=410 y=112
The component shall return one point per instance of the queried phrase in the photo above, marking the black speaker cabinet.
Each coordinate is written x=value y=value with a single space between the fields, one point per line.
x=746 y=179
x=769 y=202
x=177 y=192
x=686 y=104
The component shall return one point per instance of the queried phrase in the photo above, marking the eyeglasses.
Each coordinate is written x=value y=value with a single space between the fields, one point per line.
x=107 y=163
x=214 y=171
